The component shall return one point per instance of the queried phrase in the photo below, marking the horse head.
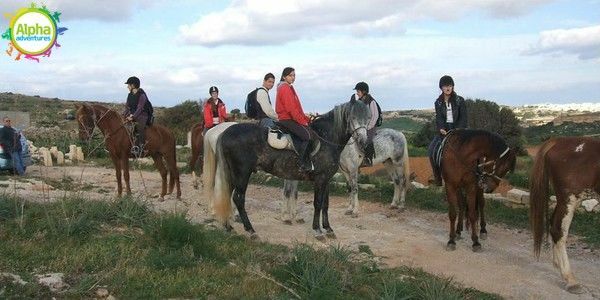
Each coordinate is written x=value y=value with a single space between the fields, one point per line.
x=85 y=120
x=492 y=171
x=351 y=120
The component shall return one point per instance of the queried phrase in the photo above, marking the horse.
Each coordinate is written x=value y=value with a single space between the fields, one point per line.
x=572 y=165
x=198 y=149
x=473 y=162
x=242 y=149
x=160 y=144
x=391 y=149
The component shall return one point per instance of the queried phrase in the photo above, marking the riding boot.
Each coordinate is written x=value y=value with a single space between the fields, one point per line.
x=305 y=163
x=369 y=154
x=437 y=176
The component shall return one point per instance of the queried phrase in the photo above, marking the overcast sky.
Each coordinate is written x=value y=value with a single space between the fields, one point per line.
x=513 y=52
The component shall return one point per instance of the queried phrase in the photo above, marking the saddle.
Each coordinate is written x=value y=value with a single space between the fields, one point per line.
x=279 y=138
x=438 y=151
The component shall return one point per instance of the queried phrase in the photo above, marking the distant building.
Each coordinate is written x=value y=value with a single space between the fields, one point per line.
x=20 y=120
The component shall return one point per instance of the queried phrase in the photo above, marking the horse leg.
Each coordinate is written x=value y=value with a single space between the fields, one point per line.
x=286 y=211
x=317 y=203
x=173 y=174
x=193 y=162
x=473 y=212
x=561 y=221
x=352 y=177
x=294 y=203
x=481 y=207
x=125 y=168
x=117 y=165
x=158 y=163
x=325 y=212
x=239 y=199
x=396 y=172
x=461 y=214
x=451 y=195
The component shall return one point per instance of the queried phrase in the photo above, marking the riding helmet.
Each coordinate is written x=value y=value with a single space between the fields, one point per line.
x=133 y=80
x=446 y=80
x=213 y=89
x=362 y=86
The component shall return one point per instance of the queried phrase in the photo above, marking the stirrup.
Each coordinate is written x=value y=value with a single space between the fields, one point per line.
x=136 y=150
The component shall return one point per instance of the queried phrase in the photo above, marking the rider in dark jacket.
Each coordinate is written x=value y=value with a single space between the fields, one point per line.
x=450 y=114
x=137 y=110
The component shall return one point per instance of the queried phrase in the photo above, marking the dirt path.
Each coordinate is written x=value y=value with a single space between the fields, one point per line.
x=414 y=238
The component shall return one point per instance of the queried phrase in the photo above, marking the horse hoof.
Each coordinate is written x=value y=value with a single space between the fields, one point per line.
x=575 y=289
x=161 y=199
x=477 y=248
x=228 y=228
x=300 y=221
x=451 y=246
x=483 y=236
x=354 y=215
x=393 y=206
x=331 y=235
x=458 y=236
x=319 y=235
x=287 y=222
x=254 y=236
x=348 y=213
x=237 y=219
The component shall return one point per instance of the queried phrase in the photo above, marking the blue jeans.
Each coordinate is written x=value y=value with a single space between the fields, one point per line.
x=18 y=163
x=266 y=122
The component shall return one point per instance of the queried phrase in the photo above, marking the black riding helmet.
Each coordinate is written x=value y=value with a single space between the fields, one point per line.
x=362 y=86
x=213 y=89
x=446 y=80
x=133 y=80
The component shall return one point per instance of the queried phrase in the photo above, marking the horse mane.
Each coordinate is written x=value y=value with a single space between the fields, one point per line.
x=336 y=116
x=497 y=144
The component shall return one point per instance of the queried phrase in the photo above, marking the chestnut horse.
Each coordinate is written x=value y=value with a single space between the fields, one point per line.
x=572 y=165
x=160 y=144
x=473 y=162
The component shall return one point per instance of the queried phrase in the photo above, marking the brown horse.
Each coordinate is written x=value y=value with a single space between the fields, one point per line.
x=473 y=162
x=572 y=165
x=160 y=144
x=197 y=146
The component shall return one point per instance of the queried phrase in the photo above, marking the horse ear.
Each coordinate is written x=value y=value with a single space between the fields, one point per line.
x=353 y=98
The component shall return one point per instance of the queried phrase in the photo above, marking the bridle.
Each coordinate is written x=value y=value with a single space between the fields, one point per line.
x=482 y=173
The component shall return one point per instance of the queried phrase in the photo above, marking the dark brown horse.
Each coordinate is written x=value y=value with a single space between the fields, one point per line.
x=197 y=146
x=160 y=144
x=473 y=162
x=572 y=165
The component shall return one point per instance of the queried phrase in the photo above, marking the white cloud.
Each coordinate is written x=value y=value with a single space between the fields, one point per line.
x=259 y=22
x=583 y=42
x=108 y=10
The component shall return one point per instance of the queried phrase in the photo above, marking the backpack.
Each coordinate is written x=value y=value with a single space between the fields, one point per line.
x=379 y=118
x=149 y=109
x=252 y=107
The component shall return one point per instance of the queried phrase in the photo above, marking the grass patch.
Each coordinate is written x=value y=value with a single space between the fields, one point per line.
x=139 y=254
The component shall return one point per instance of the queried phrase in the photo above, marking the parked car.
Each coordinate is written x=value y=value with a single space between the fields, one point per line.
x=6 y=162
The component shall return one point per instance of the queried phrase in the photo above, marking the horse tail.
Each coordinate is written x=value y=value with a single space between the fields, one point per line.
x=539 y=196
x=209 y=169
x=406 y=164
x=223 y=187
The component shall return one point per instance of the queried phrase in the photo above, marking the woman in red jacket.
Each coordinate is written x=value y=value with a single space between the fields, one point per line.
x=292 y=117
x=214 y=109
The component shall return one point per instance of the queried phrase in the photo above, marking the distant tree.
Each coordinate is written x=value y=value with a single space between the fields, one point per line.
x=236 y=114
x=483 y=114
x=180 y=118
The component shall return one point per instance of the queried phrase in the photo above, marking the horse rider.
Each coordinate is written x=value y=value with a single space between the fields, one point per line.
x=450 y=114
x=214 y=109
x=362 y=92
x=291 y=116
x=267 y=114
x=138 y=109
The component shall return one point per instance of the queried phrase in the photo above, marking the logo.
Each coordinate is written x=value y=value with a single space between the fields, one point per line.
x=32 y=33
